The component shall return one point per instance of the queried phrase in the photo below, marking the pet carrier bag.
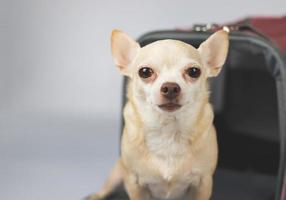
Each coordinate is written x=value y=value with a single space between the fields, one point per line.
x=249 y=100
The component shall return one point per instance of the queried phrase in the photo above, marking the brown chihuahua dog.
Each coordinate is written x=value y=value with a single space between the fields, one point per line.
x=169 y=146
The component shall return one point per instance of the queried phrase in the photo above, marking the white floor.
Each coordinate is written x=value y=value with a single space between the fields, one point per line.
x=44 y=156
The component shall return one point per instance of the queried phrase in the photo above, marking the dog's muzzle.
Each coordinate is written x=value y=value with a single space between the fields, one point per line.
x=170 y=92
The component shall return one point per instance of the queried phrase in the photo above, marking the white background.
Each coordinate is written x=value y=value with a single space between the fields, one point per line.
x=57 y=52
x=60 y=93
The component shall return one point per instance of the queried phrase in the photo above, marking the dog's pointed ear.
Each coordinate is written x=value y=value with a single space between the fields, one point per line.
x=124 y=50
x=214 y=52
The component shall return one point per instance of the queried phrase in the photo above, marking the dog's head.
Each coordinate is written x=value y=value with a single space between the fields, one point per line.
x=169 y=74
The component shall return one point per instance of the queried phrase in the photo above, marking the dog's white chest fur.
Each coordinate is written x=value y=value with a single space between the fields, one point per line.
x=166 y=191
x=169 y=148
x=169 y=185
x=167 y=142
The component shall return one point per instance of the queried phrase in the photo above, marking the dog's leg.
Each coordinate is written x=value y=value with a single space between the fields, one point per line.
x=135 y=191
x=114 y=179
x=203 y=191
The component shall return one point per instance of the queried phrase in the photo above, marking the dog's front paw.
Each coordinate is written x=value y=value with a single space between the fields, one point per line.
x=93 y=197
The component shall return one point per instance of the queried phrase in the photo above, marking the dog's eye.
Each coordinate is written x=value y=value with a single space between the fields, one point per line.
x=145 y=72
x=193 y=72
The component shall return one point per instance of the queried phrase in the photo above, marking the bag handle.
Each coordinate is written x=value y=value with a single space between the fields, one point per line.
x=245 y=26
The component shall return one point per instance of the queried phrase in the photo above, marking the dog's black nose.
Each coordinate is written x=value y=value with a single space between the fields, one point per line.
x=170 y=90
